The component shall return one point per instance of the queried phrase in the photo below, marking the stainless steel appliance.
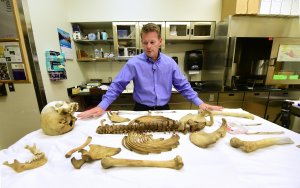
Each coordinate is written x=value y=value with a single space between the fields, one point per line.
x=284 y=65
x=243 y=42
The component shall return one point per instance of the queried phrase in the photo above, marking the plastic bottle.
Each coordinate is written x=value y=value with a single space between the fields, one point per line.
x=98 y=35
x=102 y=54
x=97 y=53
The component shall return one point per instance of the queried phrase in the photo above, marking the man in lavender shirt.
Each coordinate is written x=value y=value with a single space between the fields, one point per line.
x=153 y=74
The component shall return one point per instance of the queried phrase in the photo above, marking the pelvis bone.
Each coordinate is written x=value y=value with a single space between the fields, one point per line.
x=145 y=143
x=39 y=160
x=57 y=117
x=195 y=122
x=96 y=152
x=203 y=139
x=249 y=146
x=175 y=163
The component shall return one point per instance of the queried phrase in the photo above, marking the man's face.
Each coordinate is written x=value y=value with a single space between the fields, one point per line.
x=151 y=44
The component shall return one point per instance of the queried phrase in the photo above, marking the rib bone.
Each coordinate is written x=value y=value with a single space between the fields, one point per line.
x=249 y=146
x=88 y=140
x=175 y=163
x=145 y=143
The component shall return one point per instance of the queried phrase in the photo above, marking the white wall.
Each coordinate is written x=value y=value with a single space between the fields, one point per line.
x=144 y=10
x=19 y=114
x=46 y=17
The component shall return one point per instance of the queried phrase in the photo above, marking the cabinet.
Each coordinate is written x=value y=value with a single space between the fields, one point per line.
x=178 y=102
x=85 y=47
x=126 y=38
x=231 y=99
x=207 y=97
x=256 y=103
x=190 y=30
x=123 y=102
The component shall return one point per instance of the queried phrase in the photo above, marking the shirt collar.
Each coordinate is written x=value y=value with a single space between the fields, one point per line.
x=149 y=60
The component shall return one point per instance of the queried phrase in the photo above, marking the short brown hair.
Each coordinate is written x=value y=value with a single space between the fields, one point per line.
x=151 y=27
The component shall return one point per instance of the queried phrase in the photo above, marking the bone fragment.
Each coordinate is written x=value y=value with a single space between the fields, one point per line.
x=116 y=118
x=249 y=146
x=87 y=142
x=234 y=114
x=203 y=139
x=77 y=163
x=175 y=163
x=102 y=122
x=39 y=160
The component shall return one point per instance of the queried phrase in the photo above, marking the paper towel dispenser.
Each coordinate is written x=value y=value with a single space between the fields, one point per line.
x=193 y=60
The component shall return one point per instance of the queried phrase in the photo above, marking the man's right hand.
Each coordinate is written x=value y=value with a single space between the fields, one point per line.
x=94 y=112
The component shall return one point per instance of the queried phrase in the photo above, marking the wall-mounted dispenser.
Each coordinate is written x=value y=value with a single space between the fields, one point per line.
x=193 y=60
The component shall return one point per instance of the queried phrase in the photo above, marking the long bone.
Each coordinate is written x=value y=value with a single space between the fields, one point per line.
x=203 y=139
x=175 y=163
x=249 y=146
x=234 y=114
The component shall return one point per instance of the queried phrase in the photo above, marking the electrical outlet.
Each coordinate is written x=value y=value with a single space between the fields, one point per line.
x=11 y=87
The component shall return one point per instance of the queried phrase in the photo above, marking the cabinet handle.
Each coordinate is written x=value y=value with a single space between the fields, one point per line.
x=256 y=94
x=188 y=31
x=231 y=94
x=137 y=51
x=192 y=31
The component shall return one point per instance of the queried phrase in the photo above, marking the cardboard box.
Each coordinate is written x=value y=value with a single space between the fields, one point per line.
x=253 y=6
x=232 y=7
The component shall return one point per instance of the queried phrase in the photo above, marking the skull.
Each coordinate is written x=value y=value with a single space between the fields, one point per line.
x=57 y=117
